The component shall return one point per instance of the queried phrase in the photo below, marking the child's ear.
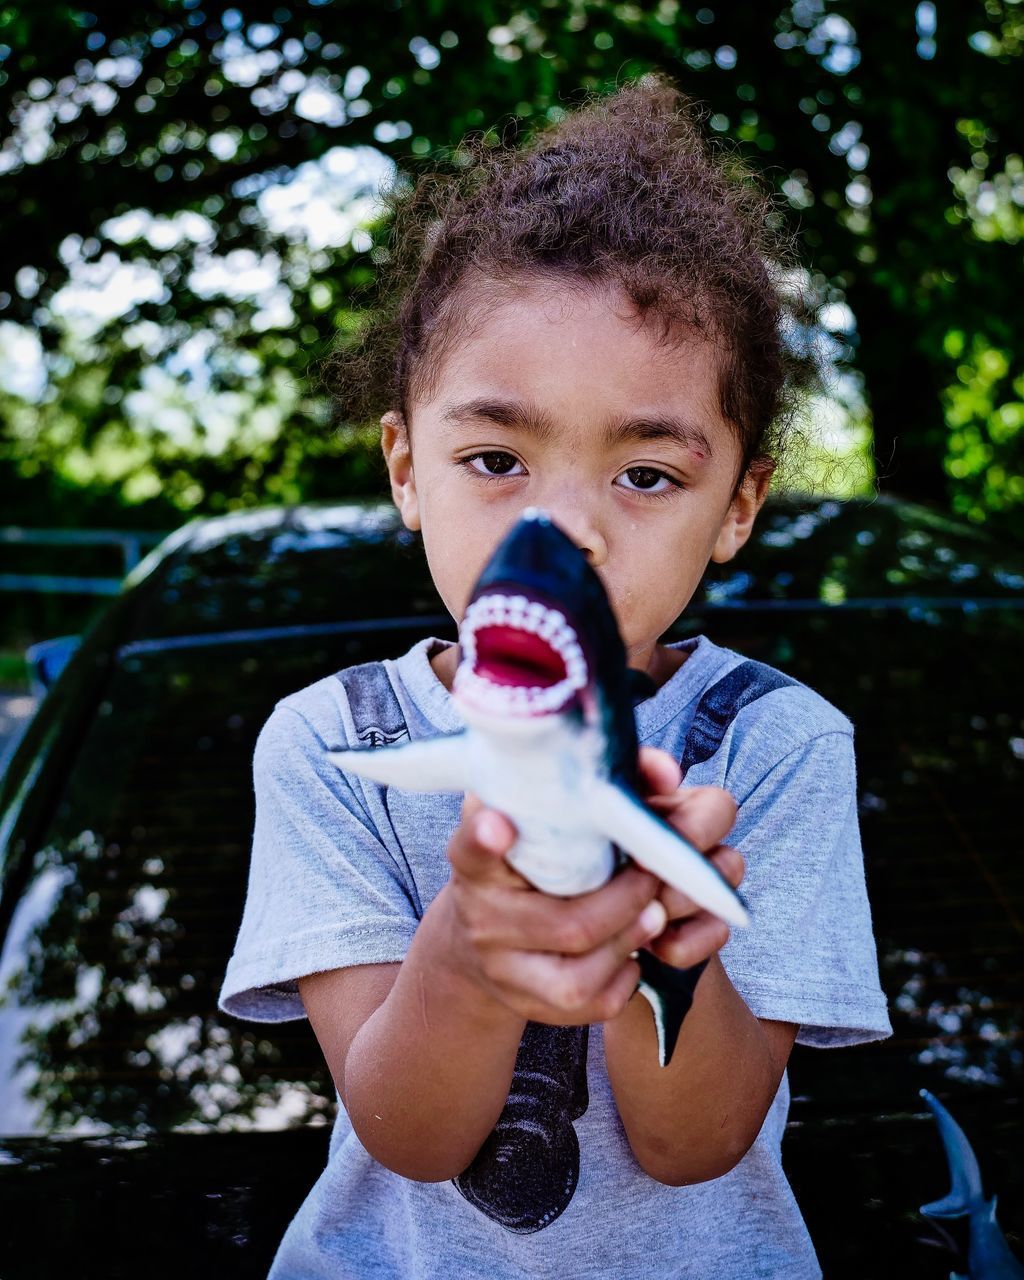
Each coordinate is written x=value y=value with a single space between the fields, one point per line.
x=394 y=442
x=739 y=519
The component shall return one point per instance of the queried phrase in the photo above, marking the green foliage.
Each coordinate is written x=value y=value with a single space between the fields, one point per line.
x=985 y=409
x=14 y=675
x=155 y=156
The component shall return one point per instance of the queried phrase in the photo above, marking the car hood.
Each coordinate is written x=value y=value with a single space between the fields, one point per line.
x=212 y=1204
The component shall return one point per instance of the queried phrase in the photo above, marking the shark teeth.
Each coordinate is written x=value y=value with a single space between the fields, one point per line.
x=498 y=610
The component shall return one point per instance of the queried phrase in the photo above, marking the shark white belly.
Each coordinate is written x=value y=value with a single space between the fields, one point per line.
x=542 y=777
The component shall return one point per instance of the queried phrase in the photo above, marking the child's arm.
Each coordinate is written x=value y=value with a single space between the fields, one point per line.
x=423 y=1052
x=695 y=1119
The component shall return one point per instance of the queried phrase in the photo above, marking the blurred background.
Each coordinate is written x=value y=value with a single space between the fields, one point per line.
x=189 y=222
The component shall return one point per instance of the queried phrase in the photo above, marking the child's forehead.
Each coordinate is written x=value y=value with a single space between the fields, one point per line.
x=551 y=304
x=550 y=340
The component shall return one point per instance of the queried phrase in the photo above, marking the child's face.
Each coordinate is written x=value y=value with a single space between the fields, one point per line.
x=560 y=401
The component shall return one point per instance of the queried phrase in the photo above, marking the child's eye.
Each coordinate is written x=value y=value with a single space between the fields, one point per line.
x=494 y=462
x=646 y=480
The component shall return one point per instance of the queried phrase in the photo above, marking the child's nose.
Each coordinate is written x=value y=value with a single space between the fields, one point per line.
x=584 y=529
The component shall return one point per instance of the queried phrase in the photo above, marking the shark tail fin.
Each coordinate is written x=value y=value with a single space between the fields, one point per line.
x=430 y=764
x=966 y=1191
x=669 y=992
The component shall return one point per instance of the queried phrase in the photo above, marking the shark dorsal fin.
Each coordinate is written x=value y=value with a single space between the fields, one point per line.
x=964 y=1172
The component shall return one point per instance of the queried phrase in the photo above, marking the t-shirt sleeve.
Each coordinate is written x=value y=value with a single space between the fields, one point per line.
x=808 y=955
x=324 y=892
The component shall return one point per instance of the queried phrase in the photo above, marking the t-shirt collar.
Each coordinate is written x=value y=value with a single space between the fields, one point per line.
x=438 y=708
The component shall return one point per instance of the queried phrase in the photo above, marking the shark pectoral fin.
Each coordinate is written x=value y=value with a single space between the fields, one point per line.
x=964 y=1172
x=669 y=992
x=430 y=764
x=948 y=1207
x=626 y=820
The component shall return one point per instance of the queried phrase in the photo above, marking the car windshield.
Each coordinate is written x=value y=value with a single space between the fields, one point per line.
x=117 y=947
x=134 y=885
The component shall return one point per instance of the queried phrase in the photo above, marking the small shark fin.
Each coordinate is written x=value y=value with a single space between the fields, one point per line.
x=428 y=764
x=966 y=1191
x=669 y=992
x=640 y=685
x=989 y=1255
x=626 y=820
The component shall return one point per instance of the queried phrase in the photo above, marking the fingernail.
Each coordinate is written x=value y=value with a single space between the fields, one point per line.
x=489 y=832
x=653 y=918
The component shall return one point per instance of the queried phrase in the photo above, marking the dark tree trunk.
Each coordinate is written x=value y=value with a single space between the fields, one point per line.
x=904 y=393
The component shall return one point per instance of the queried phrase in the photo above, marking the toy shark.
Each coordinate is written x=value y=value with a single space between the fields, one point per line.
x=543 y=687
x=988 y=1254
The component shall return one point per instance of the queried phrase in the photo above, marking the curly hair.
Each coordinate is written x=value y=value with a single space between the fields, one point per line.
x=623 y=190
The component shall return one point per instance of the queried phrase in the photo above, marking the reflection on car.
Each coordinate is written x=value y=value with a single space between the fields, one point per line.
x=141 y=1116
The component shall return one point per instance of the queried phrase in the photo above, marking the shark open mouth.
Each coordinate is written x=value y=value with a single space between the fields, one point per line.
x=519 y=657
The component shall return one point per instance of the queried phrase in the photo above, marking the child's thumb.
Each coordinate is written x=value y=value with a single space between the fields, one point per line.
x=481 y=840
x=493 y=832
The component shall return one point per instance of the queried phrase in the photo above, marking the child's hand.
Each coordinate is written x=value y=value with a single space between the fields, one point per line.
x=564 y=961
x=705 y=816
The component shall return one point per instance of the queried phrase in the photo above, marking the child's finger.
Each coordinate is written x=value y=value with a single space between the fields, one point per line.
x=610 y=1002
x=686 y=944
x=704 y=815
x=572 y=926
x=568 y=986
x=660 y=773
x=730 y=862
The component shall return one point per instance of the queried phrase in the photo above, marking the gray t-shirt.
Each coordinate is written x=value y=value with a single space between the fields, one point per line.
x=342 y=870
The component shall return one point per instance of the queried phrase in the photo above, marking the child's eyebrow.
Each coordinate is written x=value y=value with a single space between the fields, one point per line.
x=504 y=413
x=661 y=427
x=523 y=416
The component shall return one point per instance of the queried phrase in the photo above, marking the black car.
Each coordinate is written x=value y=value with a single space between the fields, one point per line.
x=142 y=1132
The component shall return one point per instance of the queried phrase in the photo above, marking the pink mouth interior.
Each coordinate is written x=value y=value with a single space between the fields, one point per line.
x=508 y=656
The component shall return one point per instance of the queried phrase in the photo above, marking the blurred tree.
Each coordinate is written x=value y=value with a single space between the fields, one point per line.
x=189 y=194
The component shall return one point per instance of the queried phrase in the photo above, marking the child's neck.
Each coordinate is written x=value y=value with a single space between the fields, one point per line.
x=661 y=666
x=664 y=663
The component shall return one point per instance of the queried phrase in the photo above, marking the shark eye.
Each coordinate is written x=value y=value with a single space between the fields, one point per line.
x=495 y=462
x=646 y=480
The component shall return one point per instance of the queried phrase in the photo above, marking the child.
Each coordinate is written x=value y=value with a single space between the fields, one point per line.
x=587 y=326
